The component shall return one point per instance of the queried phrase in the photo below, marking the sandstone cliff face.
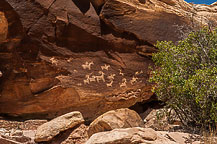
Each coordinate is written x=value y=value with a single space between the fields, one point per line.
x=91 y=56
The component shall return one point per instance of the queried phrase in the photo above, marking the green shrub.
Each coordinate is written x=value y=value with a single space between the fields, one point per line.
x=186 y=77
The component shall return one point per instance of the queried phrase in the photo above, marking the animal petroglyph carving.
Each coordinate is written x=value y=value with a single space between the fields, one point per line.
x=101 y=77
x=109 y=84
x=111 y=77
x=53 y=61
x=87 y=65
x=86 y=81
x=105 y=67
x=133 y=80
x=120 y=72
x=138 y=73
x=92 y=79
x=69 y=60
x=124 y=82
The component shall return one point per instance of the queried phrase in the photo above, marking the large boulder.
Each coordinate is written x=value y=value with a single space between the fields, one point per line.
x=120 y=118
x=48 y=130
x=87 y=55
x=77 y=135
x=129 y=136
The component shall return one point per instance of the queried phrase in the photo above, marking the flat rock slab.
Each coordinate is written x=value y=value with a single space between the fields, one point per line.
x=7 y=141
x=52 y=128
x=129 y=136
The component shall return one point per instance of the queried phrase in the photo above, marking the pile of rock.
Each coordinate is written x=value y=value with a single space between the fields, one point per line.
x=16 y=136
x=121 y=126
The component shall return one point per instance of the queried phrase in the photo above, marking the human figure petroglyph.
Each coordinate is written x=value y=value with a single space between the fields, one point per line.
x=133 y=80
x=87 y=65
x=101 y=77
x=111 y=77
x=124 y=82
x=120 y=72
x=109 y=84
x=105 y=67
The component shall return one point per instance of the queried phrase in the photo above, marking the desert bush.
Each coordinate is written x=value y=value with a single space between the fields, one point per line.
x=186 y=77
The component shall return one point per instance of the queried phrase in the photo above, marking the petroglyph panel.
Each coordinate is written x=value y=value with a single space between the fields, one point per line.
x=92 y=74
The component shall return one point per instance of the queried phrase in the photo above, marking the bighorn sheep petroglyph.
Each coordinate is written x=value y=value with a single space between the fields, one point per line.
x=92 y=79
x=87 y=65
x=101 y=77
x=138 y=73
x=105 y=67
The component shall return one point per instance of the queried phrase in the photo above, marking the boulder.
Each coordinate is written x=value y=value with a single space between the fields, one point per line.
x=77 y=135
x=120 y=118
x=129 y=136
x=47 y=131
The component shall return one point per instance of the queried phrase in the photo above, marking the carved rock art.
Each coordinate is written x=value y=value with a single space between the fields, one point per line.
x=120 y=72
x=105 y=67
x=53 y=61
x=109 y=84
x=92 y=79
x=111 y=77
x=101 y=77
x=87 y=65
x=133 y=80
x=138 y=73
x=124 y=82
